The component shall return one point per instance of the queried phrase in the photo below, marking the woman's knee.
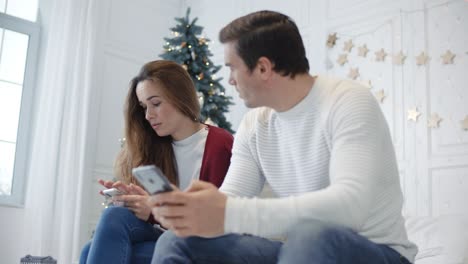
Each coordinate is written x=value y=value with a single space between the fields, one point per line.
x=114 y=218
x=85 y=252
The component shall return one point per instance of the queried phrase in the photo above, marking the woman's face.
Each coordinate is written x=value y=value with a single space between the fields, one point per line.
x=164 y=118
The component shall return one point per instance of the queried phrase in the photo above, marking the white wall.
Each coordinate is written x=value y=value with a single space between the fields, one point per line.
x=433 y=162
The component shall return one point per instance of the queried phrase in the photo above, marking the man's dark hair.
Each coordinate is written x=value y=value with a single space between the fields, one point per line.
x=268 y=34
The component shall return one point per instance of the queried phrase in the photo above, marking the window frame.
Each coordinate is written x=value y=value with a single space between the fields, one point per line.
x=22 y=153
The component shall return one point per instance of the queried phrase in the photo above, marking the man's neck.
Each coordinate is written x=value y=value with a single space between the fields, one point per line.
x=289 y=92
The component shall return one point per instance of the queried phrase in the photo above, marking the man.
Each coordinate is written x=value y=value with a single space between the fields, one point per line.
x=324 y=147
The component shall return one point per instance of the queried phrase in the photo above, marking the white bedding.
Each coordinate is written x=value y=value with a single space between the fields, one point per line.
x=441 y=240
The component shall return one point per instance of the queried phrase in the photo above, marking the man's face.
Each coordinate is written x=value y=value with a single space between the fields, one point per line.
x=247 y=83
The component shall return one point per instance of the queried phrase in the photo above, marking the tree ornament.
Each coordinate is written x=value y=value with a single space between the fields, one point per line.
x=380 y=95
x=413 y=114
x=434 y=121
x=331 y=41
x=422 y=59
x=380 y=55
x=353 y=73
x=399 y=58
x=447 y=57
x=366 y=83
x=201 y=98
x=362 y=51
x=342 y=59
x=464 y=123
x=348 y=46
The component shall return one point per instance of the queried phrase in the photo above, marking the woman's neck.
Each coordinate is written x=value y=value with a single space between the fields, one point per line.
x=190 y=128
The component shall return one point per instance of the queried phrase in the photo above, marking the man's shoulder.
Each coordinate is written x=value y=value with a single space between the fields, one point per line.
x=258 y=115
x=253 y=118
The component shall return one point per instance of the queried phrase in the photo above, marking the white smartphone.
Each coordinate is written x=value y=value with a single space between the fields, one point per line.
x=111 y=192
x=152 y=179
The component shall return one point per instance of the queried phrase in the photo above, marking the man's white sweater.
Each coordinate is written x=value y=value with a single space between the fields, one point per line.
x=329 y=158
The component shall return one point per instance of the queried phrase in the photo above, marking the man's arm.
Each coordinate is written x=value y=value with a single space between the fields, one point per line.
x=244 y=177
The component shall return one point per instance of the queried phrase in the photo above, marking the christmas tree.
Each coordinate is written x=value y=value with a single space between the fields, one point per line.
x=189 y=49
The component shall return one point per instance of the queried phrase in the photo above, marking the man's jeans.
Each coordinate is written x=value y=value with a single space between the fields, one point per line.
x=120 y=237
x=313 y=242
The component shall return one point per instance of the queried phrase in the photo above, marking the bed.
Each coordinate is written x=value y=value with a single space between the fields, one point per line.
x=441 y=240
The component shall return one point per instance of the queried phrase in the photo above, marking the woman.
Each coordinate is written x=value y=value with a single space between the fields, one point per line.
x=162 y=128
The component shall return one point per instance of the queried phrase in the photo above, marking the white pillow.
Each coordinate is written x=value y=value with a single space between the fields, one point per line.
x=440 y=240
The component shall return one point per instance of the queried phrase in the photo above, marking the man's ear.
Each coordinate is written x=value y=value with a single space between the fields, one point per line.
x=265 y=67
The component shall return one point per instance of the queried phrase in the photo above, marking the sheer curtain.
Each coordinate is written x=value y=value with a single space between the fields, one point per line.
x=58 y=160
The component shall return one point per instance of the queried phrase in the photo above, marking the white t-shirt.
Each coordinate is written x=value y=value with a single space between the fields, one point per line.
x=328 y=158
x=188 y=153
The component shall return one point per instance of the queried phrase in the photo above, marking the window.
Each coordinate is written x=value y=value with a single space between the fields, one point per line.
x=19 y=39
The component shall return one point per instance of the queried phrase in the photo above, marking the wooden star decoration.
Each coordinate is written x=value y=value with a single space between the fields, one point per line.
x=366 y=83
x=422 y=59
x=464 y=123
x=342 y=59
x=380 y=95
x=331 y=41
x=413 y=114
x=348 y=46
x=353 y=73
x=434 y=121
x=447 y=57
x=380 y=55
x=362 y=51
x=399 y=58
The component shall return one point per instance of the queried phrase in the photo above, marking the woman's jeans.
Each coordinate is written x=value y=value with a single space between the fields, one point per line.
x=313 y=242
x=120 y=237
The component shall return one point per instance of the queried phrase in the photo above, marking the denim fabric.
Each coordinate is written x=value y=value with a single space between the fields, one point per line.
x=313 y=242
x=120 y=237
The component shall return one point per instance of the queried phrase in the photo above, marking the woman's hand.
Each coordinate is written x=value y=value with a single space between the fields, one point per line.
x=135 y=200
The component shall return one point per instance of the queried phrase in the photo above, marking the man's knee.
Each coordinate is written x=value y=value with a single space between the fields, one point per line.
x=316 y=233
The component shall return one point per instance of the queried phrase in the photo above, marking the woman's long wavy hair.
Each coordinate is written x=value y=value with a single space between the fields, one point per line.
x=143 y=146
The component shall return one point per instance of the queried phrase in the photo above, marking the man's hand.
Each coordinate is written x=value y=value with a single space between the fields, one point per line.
x=198 y=211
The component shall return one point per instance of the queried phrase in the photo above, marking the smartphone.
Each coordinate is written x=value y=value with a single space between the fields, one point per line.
x=152 y=179
x=111 y=192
